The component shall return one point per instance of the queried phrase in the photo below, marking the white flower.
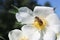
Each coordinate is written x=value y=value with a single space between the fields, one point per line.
x=41 y=18
x=26 y=33
x=45 y=14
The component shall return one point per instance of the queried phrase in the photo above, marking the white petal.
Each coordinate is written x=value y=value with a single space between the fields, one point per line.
x=54 y=28
x=25 y=9
x=43 y=11
x=14 y=34
x=50 y=35
x=18 y=17
x=24 y=15
x=53 y=19
x=28 y=29
x=35 y=36
x=32 y=33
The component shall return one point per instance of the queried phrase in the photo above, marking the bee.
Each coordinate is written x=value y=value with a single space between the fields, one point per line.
x=39 y=20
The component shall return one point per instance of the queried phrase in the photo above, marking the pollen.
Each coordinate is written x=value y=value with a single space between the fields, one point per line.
x=40 y=24
x=23 y=38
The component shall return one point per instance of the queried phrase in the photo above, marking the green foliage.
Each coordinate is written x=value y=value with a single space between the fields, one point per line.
x=18 y=25
x=2 y=38
x=32 y=4
x=47 y=4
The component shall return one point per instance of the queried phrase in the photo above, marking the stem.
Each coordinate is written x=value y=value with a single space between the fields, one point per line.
x=14 y=7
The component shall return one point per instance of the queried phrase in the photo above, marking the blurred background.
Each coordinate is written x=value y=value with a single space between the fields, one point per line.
x=8 y=9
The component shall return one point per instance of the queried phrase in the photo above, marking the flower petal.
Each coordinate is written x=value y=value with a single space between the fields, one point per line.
x=43 y=11
x=14 y=34
x=53 y=19
x=28 y=29
x=18 y=17
x=24 y=15
x=32 y=33
x=50 y=35
x=54 y=28
x=35 y=36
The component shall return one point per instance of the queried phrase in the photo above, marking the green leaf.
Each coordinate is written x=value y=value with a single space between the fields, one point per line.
x=18 y=25
x=14 y=7
x=2 y=38
x=13 y=11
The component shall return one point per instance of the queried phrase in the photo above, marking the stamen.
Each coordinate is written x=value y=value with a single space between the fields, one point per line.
x=39 y=23
x=23 y=38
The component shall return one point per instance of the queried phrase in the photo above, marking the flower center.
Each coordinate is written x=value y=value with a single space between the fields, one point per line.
x=23 y=38
x=40 y=23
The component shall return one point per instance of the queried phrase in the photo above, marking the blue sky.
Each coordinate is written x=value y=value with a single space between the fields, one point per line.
x=54 y=3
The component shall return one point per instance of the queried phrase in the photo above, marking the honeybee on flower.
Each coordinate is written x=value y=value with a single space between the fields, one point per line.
x=41 y=24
